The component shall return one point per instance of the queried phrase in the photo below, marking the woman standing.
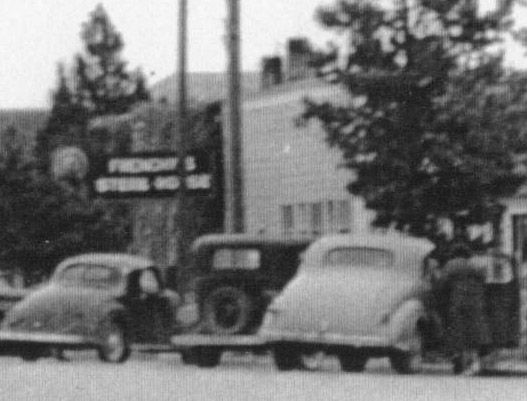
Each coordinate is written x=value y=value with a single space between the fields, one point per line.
x=467 y=331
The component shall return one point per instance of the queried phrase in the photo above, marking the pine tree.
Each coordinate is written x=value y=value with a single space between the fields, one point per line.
x=66 y=124
x=99 y=84
x=103 y=84
x=434 y=116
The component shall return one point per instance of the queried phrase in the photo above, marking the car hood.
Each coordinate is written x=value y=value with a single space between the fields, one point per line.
x=55 y=309
x=356 y=302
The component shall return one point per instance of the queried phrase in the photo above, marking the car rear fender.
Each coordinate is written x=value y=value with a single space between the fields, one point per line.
x=404 y=323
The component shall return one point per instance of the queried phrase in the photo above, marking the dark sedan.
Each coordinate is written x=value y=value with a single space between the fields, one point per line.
x=101 y=301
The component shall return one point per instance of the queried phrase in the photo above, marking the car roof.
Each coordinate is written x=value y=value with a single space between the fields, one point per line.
x=390 y=240
x=399 y=244
x=246 y=240
x=123 y=261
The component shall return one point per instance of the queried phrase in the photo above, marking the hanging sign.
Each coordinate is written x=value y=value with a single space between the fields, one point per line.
x=153 y=175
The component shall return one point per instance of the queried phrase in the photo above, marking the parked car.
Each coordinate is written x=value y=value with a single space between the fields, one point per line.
x=356 y=297
x=102 y=301
x=237 y=275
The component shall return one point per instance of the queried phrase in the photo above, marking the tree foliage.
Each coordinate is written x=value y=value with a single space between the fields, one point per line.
x=44 y=221
x=99 y=84
x=66 y=124
x=434 y=119
x=103 y=84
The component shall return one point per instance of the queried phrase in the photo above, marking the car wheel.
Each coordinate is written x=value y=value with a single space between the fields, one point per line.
x=208 y=357
x=114 y=347
x=58 y=354
x=189 y=356
x=352 y=361
x=461 y=362
x=311 y=361
x=286 y=357
x=406 y=362
x=31 y=354
x=227 y=310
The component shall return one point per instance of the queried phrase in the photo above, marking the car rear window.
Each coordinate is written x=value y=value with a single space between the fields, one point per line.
x=360 y=257
x=91 y=276
x=227 y=258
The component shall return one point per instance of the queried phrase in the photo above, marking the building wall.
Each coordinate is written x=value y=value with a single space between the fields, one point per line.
x=293 y=183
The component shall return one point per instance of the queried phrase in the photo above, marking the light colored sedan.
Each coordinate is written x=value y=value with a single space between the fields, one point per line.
x=356 y=297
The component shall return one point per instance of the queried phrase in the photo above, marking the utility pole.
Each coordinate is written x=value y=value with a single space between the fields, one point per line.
x=234 y=208
x=182 y=212
x=182 y=67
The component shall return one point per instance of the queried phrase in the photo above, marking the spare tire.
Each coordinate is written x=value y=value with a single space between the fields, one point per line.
x=227 y=310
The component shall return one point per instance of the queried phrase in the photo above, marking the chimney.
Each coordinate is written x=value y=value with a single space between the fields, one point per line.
x=299 y=54
x=271 y=71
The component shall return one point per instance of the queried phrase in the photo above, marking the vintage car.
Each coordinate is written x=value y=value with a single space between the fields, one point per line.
x=101 y=301
x=235 y=276
x=356 y=297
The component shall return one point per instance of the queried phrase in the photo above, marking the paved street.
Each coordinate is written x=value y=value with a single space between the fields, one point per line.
x=239 y=378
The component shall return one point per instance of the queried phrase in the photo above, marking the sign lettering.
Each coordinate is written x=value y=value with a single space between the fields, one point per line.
x=168 y=183
x=153 y=175
x=122 y=184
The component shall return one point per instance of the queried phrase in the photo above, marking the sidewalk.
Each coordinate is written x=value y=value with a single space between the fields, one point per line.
x=506 y=362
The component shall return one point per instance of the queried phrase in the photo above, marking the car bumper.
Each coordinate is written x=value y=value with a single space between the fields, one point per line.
x=20 y=338
x=195 y=340
x=328 y=339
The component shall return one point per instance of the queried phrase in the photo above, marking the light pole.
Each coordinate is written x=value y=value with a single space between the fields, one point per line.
x=182 y=212
x=234 y=208
x=182 y=65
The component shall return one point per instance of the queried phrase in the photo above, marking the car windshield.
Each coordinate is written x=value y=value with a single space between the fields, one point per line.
x=90 y=276
x=359 y=257
x=226 y=258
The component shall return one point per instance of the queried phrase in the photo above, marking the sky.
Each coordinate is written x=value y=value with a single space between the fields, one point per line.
x=37 y=34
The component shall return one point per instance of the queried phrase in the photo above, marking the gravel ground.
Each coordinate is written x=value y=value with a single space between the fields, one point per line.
x=164 y=377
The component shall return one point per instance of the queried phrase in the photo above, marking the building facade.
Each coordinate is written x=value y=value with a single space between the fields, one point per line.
x=292 y=180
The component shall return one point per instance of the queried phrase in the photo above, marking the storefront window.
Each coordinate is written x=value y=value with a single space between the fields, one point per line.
x=287 y=219
x=343 y=216
x=303 y=218
x=331 y=216
x=316 y=218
